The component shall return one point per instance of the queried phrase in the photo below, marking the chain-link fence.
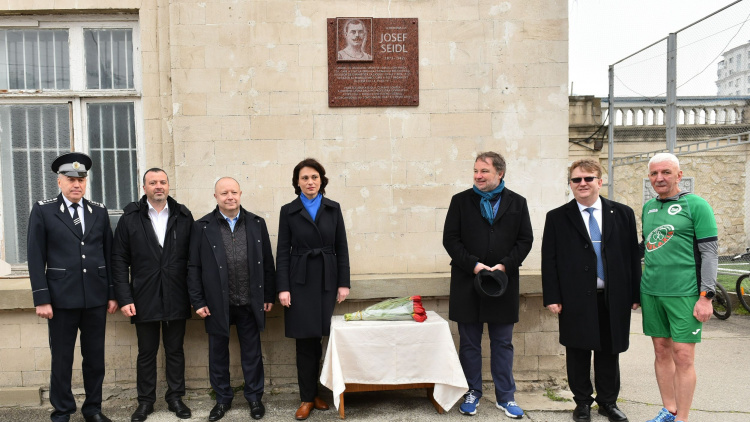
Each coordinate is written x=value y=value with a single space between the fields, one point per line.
x=693 y=86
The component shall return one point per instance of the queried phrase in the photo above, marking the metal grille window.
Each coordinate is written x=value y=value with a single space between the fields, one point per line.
x=30 y=139
x=113 y=150
x=34 y=59
x=69 y=85
x=109 y=58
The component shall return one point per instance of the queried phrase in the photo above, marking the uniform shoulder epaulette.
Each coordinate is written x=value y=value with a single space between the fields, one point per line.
x=97 y=204
x=47 y=201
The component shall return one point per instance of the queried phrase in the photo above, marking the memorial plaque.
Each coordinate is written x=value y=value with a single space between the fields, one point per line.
x=373 y=62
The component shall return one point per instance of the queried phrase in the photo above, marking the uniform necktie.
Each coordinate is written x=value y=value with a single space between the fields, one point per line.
x=596 y=240
x=77 y=218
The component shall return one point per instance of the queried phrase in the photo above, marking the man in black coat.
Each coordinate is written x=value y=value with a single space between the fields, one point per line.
x=149 y=269
x=231 y=280
x=487 y=228
x=69 y=246
x=591 y=272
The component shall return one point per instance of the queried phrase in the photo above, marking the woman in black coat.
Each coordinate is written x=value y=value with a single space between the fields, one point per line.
x=312 y=262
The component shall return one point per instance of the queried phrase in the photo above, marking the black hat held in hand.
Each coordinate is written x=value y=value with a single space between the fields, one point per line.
x=490 y=283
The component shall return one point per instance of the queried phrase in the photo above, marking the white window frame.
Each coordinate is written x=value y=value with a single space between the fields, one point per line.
x=78 y=96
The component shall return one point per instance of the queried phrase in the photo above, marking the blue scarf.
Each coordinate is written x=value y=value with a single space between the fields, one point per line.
x=488 y=211
x=311 y=205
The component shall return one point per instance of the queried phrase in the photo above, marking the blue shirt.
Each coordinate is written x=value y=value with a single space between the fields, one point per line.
x=232 y=221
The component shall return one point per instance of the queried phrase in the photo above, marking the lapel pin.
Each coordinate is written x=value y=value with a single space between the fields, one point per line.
x=89 y=207
x=62 y=207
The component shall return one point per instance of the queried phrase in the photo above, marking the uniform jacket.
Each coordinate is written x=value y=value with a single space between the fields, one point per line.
x=208 y=281
x=569 y=273
x=312 y=262
x=152 y=277
x=67 y=270
x=469 y=238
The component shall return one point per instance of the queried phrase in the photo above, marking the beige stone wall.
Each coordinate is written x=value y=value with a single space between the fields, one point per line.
x=240 y=89
x=720 y=178
x=25 y=356
x=249 y=84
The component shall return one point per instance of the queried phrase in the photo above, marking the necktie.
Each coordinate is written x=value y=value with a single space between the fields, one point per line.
x=596 y=239
x=76 y=218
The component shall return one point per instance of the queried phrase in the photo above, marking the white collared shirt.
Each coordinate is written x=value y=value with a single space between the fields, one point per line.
x=598 y=217
x=159 y=221
x=80 y=211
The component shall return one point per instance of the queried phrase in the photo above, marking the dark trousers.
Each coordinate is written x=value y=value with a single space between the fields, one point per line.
x=309 y=351
x=606 y=365
x=63 y=330
x=173 y=336
x=250 y=356
x=501 y=357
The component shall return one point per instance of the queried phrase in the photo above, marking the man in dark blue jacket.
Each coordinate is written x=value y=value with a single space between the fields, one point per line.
x=69 y=246
x=232 y=280
x=149 y=268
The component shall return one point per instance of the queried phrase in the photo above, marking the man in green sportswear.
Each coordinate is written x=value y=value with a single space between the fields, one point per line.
x=679 y=278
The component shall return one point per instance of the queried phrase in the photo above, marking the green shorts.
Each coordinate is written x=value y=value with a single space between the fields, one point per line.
x=671 y=317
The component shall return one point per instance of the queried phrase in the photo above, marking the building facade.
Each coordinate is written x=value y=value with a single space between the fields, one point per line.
x=239 y=88
x=733 y=73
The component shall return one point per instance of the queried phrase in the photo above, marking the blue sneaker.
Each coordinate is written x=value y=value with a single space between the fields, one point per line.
x=663 y=416
x=469 y=406
x=512 y=410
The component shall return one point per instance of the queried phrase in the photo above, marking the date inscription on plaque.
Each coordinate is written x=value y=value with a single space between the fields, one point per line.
x=373 y=62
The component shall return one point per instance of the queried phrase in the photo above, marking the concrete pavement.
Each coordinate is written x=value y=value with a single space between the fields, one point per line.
x=722 y=394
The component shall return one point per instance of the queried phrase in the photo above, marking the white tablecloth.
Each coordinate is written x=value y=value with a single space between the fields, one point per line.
x=394 y=352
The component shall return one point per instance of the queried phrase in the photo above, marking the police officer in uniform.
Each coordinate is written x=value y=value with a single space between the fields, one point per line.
x=69 y=245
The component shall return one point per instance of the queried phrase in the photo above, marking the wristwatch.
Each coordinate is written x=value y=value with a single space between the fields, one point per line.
x=708 y=294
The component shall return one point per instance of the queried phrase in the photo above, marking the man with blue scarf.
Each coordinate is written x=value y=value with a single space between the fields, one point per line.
x=487 y=228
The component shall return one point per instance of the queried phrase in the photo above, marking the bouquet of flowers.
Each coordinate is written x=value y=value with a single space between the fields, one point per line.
x=402 y=308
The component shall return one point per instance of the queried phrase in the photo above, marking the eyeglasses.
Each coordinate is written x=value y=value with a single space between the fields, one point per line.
x=588 y=179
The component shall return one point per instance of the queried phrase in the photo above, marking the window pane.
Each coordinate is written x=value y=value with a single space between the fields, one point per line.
x=109 y=58
x=16 y=77
x=47 y=59
x=36 y=135
x=62 y=60
x=31 y=59
x=34 y=59
x=122 y=135
x=111 y=132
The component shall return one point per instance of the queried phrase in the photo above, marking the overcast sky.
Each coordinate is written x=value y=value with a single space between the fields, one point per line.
x=604 y=31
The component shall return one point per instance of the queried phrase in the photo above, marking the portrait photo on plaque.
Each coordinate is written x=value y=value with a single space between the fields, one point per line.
x=354 y=42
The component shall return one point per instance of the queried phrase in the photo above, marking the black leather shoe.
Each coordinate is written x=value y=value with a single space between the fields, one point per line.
x=178 y=408
x=612 y=412
x=257 y=410
x=142 y=412
x=218 y=411
x=582 y=413
x=99 y=417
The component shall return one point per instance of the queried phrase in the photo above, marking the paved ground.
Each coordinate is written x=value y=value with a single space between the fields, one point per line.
x=723 y=392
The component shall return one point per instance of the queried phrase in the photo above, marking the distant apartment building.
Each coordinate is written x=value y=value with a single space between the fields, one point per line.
x=733 y=74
